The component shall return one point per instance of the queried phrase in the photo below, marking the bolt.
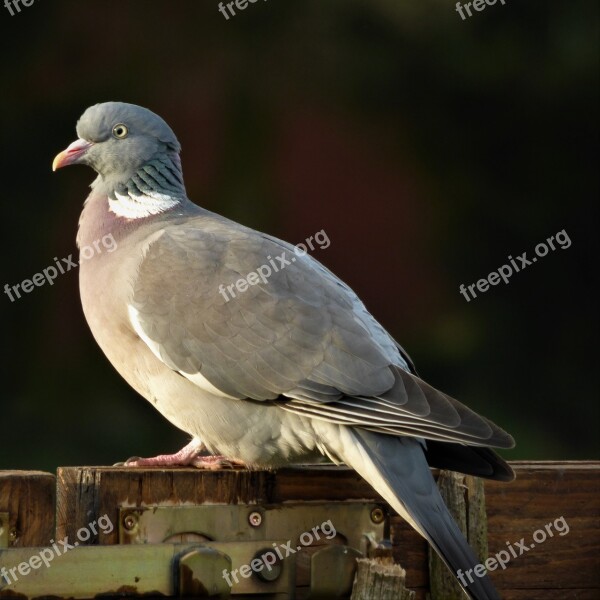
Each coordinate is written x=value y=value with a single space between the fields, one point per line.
x=272 y=571
x=255 y=519
x=130 y=521
x=377 y=515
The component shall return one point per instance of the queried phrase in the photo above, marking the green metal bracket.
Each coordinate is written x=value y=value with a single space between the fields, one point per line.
x=339 y=561
x=206 y=551
x=201 y=574
x=356 y=522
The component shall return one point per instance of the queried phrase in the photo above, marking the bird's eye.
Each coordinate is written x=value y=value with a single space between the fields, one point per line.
x=120 y=131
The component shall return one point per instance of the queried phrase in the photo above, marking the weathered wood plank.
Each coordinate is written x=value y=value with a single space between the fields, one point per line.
x=320 y=483
x=542 y=494
x=29 y=498
x=545 y=594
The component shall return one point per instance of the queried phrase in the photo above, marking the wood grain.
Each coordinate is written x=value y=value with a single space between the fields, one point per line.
x=28 y=497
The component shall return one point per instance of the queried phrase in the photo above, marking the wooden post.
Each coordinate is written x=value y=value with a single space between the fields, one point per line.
x=465 y=499
x=380 y=579
x=28 y=499
x=557 y=494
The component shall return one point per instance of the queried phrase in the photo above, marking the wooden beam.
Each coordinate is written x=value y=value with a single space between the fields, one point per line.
x=561 y=497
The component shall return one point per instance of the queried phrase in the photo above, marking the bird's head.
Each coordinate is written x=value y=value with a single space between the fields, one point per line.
x=116 y=139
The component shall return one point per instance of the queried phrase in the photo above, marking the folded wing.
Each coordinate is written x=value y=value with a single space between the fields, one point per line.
x=292 y=333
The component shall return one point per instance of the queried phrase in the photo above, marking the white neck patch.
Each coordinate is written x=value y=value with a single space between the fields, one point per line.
x=132 y=206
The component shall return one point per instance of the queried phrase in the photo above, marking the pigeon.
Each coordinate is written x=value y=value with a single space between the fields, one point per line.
x=279 y=370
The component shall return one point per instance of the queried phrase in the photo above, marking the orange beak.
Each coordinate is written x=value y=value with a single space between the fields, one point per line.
x=72 y=154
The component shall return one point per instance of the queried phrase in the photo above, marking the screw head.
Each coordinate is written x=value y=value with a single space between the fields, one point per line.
x=12 y=535
x=130 y=520
x=255 y=519
x=377 y=515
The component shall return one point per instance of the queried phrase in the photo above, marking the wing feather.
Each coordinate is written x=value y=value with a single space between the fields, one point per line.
x=300 y=338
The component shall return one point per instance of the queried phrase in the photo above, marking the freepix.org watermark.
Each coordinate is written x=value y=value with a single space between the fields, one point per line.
x=283 y=260
x=239 y=4
x=13 y=5
x=516 y=549
x=60 y=267
x=280 y=552
x=477 y=5
x=505 y=272
x=46 y=555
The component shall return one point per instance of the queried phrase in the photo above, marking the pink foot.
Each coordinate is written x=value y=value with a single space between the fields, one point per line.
x=190 y=455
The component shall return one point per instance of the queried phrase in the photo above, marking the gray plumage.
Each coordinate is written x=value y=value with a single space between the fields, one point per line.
x=292 y=369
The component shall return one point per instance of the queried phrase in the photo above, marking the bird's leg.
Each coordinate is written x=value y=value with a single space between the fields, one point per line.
x=181 y=458
x=189 y=455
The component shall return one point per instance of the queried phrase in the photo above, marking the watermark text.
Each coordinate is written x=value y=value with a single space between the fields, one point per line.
x=280 y=552
x=265 y=271
x=46 y=555
x=514 y=550
x=477 y=5
x=60 y=267
x=505 y=272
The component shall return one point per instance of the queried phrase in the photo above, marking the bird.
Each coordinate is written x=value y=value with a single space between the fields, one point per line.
x=284 y=370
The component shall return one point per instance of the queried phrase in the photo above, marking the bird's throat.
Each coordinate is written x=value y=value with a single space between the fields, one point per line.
x=154 y=188
x=139 y=206
x=118 y=207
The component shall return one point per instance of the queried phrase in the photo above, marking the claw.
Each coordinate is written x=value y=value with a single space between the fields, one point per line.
x=190 y=455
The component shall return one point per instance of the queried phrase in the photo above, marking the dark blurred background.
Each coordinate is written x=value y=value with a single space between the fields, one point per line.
x=427 y=147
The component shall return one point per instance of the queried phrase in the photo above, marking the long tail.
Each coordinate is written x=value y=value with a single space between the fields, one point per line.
x=397 y=468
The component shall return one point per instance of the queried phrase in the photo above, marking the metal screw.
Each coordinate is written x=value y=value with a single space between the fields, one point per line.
x=13 y=534
x=255 y=519
x=377 y=515
x=130 y=521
